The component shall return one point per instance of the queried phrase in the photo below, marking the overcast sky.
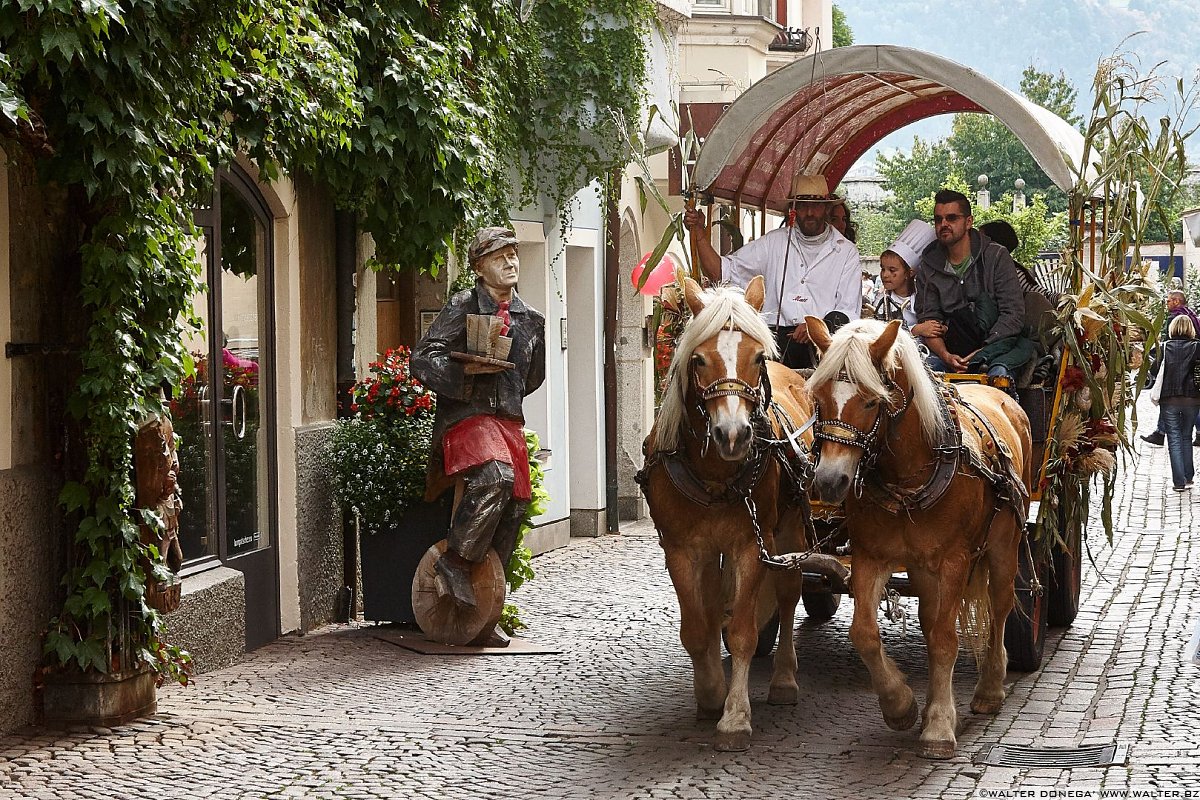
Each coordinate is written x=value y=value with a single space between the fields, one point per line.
x=1001 y=37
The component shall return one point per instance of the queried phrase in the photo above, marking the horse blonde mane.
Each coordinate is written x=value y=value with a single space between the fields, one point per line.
x=849 y=353
x=725 y=308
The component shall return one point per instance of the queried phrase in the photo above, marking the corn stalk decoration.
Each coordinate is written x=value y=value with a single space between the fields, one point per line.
x=1110 y=314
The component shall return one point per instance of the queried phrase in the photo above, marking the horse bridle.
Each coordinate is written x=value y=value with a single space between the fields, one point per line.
x=759 y=397
x=839 y=432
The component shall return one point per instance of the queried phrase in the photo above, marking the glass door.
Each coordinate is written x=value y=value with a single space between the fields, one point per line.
x=225 y=413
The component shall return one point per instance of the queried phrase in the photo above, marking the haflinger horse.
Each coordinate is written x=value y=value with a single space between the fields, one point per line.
x=725 y=464
x=935 y=482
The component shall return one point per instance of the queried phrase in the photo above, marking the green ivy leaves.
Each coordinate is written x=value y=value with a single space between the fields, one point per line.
x=424 y=118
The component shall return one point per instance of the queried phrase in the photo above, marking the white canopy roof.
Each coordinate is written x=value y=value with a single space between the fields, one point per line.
x=821 y=113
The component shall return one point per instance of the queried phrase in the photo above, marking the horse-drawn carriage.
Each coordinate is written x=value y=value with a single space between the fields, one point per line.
x=736 y=469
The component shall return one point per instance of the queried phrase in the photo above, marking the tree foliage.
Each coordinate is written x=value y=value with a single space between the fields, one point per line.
x=917 y=174
x=423 y=116
x=910 y=177
x=1055 y=93
x=984 y=146
x=469 y=110
x=1039 y=230
x=843 y=34
x=979 y=144
x=1175 y=198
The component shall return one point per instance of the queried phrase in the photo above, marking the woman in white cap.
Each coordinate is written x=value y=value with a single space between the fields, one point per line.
x=899 y=280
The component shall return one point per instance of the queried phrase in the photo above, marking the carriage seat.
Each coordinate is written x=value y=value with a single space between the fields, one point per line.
x=1039 y=319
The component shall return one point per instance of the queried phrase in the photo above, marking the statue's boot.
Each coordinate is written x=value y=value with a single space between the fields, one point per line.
x=455 y=572
x=496 y=637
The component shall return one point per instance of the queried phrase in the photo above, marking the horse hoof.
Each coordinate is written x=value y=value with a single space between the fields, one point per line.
x=986 y=705
x=703 y=713
x=938 y=751
x=732 y=742
x=905 y=720
x=783 y=695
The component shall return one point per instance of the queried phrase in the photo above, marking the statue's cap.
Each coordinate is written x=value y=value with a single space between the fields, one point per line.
x=489 y=240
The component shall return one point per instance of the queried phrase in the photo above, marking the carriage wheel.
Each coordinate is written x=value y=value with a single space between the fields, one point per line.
x=768 y=634
x=1063 y=603
x=1025 y=630
x=821 y=606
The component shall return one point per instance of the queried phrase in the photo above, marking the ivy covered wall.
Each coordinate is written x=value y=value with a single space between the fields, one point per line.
x=426 y=117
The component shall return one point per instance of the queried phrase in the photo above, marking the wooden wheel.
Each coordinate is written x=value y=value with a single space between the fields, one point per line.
x=1063 y=602
x=443 y=620
x=821 y=606
x=1025 y=630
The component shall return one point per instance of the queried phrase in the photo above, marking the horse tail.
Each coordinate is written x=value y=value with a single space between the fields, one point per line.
x=974 y=615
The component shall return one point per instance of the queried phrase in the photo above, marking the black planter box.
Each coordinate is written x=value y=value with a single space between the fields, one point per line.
x=390 y=559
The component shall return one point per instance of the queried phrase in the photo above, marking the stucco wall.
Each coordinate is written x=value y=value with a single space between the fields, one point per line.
x=318 y=306
x=318 y=521
x=35 y=303
x=635 y=397
x=31 y=552
x=318 y=529
x=210 y=622
x=43 y=284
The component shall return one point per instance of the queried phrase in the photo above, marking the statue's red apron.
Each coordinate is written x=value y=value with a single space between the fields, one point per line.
x=478 y=440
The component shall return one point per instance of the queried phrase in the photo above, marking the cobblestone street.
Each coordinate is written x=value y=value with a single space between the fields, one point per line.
x=340 y=713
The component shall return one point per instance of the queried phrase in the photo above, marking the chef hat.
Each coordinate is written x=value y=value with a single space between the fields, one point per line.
x=912 y=241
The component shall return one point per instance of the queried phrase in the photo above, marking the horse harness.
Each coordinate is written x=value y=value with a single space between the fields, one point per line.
x=993 y=464
x=787 y=450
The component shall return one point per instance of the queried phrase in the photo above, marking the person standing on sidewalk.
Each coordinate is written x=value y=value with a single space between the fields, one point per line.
x=1178 y=398
x=1176 y=307
x=811 y=271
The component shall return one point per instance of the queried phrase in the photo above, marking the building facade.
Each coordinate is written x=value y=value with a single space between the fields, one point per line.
x=261 y=536
x=263 y=541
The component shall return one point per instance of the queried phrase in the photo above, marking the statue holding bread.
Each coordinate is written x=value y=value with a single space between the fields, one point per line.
x=482 y=356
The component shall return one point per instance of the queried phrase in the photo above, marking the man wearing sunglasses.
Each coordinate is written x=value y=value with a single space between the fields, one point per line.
x=969 y=285
x=809 y=267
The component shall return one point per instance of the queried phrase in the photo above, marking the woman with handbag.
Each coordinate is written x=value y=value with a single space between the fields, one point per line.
x=1178 y=397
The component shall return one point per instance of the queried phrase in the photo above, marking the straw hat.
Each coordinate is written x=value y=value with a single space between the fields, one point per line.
x=811 y=189
x=912 y=241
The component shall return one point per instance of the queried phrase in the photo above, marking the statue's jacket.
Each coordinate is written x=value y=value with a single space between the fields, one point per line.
x=461 y=396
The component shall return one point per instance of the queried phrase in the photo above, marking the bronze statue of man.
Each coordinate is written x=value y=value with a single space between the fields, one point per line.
x=478 y=435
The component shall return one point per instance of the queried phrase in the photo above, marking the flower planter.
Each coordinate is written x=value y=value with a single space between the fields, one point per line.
x=389 y=560
x=93 y=698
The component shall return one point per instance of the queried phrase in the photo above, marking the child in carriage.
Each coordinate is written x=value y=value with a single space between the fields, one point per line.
x=898 y=300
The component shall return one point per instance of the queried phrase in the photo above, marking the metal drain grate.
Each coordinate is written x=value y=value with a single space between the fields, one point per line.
x=1100 y=755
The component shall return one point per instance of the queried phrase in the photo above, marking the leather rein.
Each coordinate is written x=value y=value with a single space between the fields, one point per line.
x=766 y=418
